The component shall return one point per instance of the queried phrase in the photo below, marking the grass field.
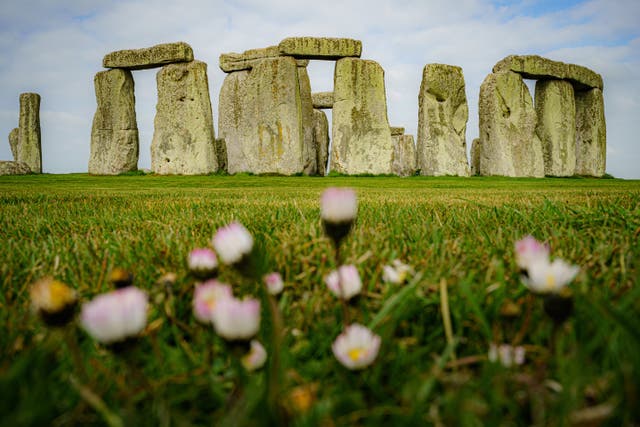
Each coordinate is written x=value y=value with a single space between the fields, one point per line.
x=458 y=234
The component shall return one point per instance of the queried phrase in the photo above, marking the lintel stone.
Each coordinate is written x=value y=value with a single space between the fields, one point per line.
x=150 y=57
x=322 y=100
x=320 y=47
x=537 y=67
x=397 y=131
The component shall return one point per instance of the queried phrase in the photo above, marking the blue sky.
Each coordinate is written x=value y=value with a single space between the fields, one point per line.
x=55 y=49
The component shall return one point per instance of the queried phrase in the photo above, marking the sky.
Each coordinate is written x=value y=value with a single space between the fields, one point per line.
x=55 y=48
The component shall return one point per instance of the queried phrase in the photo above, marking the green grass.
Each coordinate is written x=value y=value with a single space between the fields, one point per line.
x=78 y=227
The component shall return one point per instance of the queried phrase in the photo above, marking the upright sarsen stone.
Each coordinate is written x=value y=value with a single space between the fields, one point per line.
x=29 y=147
x=321 y=140
x=510 y=146
x=310 y=166
x=442 y=122
x=591 y=133
x=404 y=155
x=476 y=148
x=183 y=137
x=556 y=127
x=260 y=118
x=114 y=133
x=361 y=137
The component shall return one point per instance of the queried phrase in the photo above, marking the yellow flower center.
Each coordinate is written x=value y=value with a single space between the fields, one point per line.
x=356 y=354
x=551 y=282
x=60 y=296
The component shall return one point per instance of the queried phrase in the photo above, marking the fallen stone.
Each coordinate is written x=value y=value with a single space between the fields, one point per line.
x=510 y=146
x=29 y=147
x=320 y=47
x=361 y=137
x=476 y=149
x=537 y=67
x=14 y=141
x=230 y=62
x=183 y=136
x=556 y=127
x=260 y=118
x=442 y=122
x=310 y=166
x=13 y=168
x=404 y=155
x=396 y=131
x=150 y=57
x=591 y=133
x=114 y=133
x=321 y=140
x=322 y=100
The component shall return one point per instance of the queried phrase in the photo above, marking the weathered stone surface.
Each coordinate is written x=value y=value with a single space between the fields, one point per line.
x=13 y=168
x=321 y=140
x=591 y=133
x=556 y=127
x=442 y=122
x=361 y=137
x=320 y=47
x=396 y=131
x=322 y=100
x=476 y=148
x=183 y=136
x=260 y=118
x=537 y=67
x=230 y=62
x=14 y=140
x=510 y=146
x=404 y=155
x=310 y=166
x=221 y=154
x=114 y=133
x=29 y=148
x=150 y=57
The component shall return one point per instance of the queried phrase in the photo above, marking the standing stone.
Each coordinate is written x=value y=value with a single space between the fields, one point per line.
x=29 y=147
x=556 y=128
x=510 y=146
x=13 y=168
x=442 y=122
x=221 y=154
x=476 y=148
x=260 y=118
x=309 y=151
x=361 y=137
x=114 y=133
x=183 y=136
x=404 y=155
x=397 y=131
x=14 y=142
x=591 y=133
x=321 y=140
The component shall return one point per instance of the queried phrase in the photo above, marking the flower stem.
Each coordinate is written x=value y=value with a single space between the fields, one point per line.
x=345 y=307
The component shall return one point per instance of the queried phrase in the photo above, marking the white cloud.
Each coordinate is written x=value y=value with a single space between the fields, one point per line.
x=55 y=48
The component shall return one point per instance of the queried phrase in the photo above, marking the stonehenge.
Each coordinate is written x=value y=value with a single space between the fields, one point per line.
x=183 y=140
x=271 y=122
x=564 y=134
